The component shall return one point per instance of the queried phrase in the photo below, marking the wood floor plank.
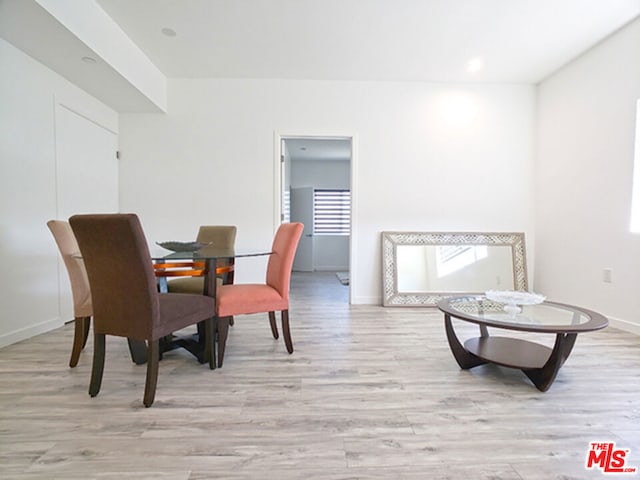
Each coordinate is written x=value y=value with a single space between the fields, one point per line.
x=369 y=393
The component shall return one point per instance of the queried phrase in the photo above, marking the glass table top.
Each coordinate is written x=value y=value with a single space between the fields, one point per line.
x=544 y=317
x=208 y=253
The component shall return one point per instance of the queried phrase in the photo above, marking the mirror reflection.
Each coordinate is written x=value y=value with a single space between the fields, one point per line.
x=420 y=268
x=454 y=268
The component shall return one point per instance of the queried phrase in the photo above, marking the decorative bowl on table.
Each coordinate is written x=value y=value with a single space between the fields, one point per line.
x=514 y=300
x=183 y=246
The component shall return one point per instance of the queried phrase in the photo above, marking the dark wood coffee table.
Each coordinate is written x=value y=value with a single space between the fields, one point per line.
x=539 y=362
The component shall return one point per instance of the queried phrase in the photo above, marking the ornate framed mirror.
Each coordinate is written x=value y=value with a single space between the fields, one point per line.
x=420 y=268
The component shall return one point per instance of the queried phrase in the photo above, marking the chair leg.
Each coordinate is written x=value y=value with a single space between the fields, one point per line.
x=274 y=326
x=285 y=330
x=153 y=357
x=202 y=339
x=86 y=325
x=138 y=351
x=81 y=330
x=223 y=331
x=98 y=363
x=210 y=343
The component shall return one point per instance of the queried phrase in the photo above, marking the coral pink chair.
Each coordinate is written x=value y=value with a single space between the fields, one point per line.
x=80 y=291
x=240 y=299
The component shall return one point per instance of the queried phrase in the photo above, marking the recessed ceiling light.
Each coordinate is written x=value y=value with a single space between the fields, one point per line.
x=169 y=32
x=88 y=59
x=475 y=65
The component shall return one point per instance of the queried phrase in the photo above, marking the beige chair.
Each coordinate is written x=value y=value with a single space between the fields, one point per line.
x=81 y=293
x=126 y=302
x=82 y=308
x=220 y=236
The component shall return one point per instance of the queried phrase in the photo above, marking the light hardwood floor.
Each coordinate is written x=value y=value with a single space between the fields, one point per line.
x=369 y=393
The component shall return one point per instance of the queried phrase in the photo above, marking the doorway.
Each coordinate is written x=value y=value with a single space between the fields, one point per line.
x=316 y=190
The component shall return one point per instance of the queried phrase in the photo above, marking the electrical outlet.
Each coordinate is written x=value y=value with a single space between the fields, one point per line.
x=607 y=275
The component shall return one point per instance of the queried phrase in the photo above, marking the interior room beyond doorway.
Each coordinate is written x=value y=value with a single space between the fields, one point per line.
x=317 y=192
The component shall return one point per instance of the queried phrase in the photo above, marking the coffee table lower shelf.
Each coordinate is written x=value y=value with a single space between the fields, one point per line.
x=509 y=352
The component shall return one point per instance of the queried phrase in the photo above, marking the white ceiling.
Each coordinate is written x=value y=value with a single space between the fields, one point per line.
x=315 y=148
x=520 y=41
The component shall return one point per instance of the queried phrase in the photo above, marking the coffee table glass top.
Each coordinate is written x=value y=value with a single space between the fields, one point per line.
x=543 y=317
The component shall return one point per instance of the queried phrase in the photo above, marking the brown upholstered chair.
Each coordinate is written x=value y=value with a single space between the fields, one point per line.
x=126 y=302
x=271 y=296
x=220 y=236
x=80 y=292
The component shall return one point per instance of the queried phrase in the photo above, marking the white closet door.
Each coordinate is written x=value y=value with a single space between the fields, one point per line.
x=87 y=167
x=86 y=177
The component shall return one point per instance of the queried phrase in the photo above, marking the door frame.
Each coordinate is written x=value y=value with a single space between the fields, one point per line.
x=278 y=180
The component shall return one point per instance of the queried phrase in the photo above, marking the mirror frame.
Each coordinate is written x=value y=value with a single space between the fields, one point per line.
x=391 y=240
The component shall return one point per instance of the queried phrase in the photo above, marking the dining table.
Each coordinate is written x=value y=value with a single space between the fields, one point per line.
x=208 y=257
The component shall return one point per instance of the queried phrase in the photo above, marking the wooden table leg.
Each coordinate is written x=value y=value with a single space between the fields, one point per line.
x=543 y=377
x=222 y=330
x=210 y=343
x=464 y=358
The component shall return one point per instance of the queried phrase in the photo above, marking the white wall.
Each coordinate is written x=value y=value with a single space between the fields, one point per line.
x=428 y=157
x=321 y=174
x=586 y=122
x=330 y=252
x=29 y=93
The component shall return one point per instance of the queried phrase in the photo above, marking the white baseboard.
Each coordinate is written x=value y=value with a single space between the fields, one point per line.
x=366 y=300
x=625 y=325
x=30 y=331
